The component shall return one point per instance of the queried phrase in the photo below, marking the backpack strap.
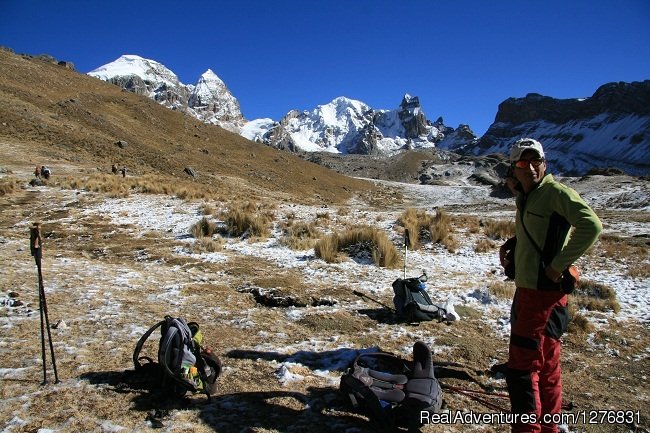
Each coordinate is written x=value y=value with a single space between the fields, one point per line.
x=201 y=365
x=138 y=346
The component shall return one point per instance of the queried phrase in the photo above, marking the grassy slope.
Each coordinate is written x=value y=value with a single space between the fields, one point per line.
x=51 y=115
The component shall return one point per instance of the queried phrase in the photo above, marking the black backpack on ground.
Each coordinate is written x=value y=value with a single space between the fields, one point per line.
x=183 y=365
x=412 y=302
x=392 y=391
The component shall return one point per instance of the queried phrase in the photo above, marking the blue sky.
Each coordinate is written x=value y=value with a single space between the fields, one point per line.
x=461 y=57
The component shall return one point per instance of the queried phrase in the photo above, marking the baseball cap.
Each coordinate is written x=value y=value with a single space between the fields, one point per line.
x=524 y=144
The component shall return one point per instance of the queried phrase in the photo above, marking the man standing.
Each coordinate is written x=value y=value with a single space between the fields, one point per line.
x=546 y=210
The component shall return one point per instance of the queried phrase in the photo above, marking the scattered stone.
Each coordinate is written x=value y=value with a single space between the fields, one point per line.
x=60 y=325
x=121 y=144
x=190 y=171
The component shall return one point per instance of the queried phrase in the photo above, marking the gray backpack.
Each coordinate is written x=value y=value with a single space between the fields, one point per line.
x=183 y=365
x=393 y=391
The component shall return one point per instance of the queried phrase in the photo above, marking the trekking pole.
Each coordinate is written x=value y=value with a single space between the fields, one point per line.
x=36 y=242
x=363 y=295
x=407 y=240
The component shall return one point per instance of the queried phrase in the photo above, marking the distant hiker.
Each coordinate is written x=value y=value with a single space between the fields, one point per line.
x=46 y=172
x=123 y=171
x=37 y=171
x=114 y=169
x=546 y=210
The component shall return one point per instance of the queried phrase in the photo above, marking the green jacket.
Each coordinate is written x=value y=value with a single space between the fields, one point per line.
x=549 y=211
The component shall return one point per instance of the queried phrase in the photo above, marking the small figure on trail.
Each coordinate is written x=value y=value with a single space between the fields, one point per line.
x=123 y=171
x=46 y=172
x=114 y=169
x=37 y=171
x=544 y=251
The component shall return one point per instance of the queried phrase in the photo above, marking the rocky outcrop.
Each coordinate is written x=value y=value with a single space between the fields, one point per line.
x=609 y=129
x=459 y=139
x=413 y=120
x=366 y=142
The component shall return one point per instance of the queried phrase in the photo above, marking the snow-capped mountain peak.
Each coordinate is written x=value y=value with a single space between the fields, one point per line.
x=209 y=99
x=210 y=77
x=130 y=64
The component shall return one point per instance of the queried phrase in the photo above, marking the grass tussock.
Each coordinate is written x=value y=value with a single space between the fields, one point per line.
x=485 y=246
x=619 y=249
x=247 y=220
x=498 y=229
x=208 y=209
x=8 y=186
x=356 y=242
x=300 y=236
x=641 y=271
x=580 y=324
x=595 y=296
x=502 y=289
x=203 y=228
x=470 y=223
x=424 y=227
x=206 y=245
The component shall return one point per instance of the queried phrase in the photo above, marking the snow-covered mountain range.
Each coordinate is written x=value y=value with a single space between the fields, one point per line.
x=341 y=126
x=349 y=126
x=208 y=100
x=609 y=129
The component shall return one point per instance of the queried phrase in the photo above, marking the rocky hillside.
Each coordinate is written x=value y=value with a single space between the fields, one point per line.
x=52 y=115
x=609 y=129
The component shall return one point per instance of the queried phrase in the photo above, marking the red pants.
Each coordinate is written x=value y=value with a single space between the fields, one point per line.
x=538 y=320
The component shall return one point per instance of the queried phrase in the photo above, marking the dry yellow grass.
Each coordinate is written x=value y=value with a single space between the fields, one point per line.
x=424 y=227
x=203 y=228
x=484 y=246
x=620 y=249
x=594 y=296
x=499 y=229
x=356 y=240
x=300 y=236
x=502 y=289
x=207 y=245
x=8 y=185
x=117 y=186
x=640 y=271
x=247 y=219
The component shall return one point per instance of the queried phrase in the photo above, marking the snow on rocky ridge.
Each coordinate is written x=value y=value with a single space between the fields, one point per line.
x=209 y=99
x=609 y=129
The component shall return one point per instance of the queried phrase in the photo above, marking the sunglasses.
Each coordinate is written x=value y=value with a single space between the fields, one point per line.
x=524 y=163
